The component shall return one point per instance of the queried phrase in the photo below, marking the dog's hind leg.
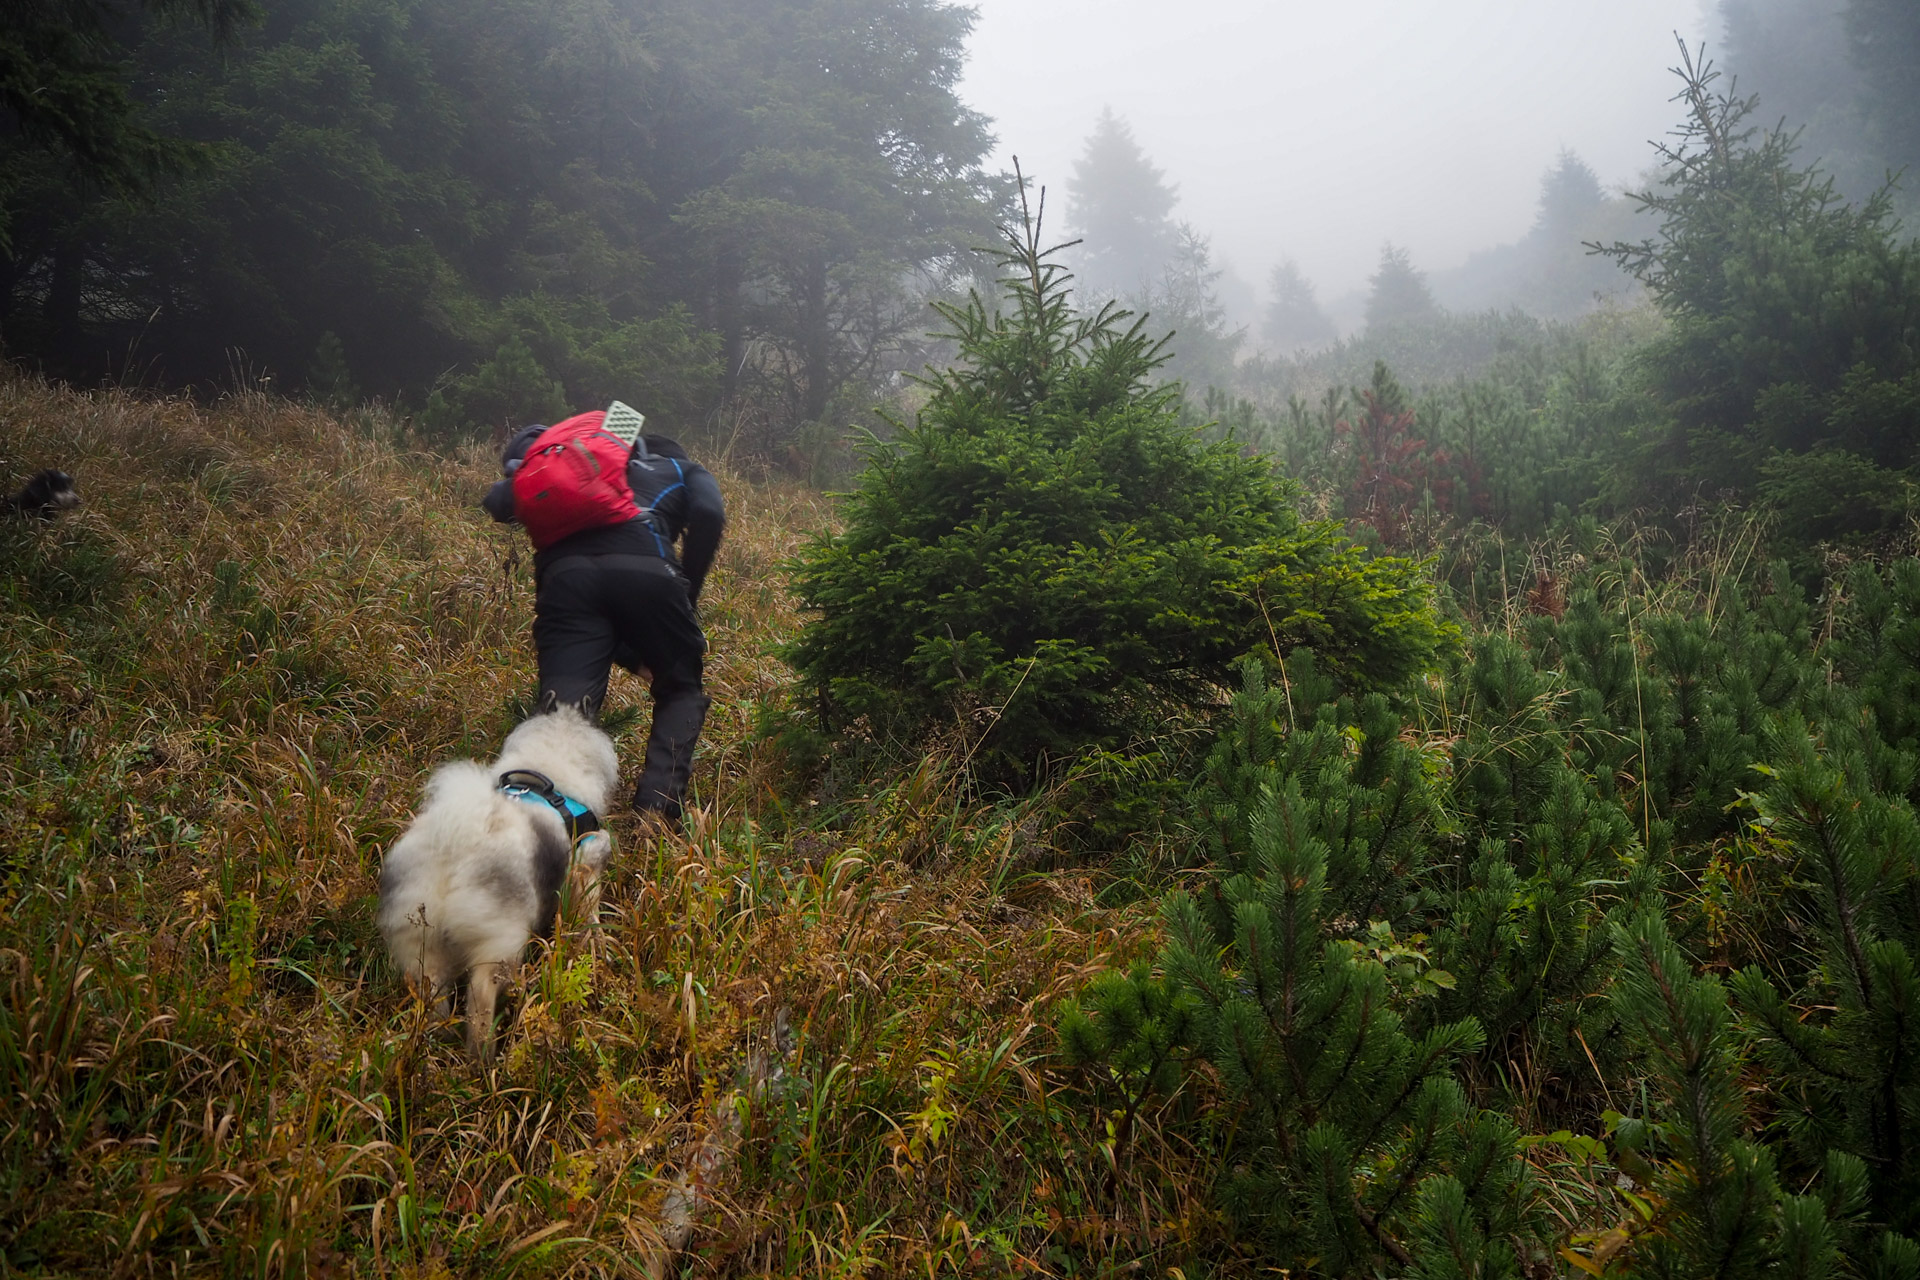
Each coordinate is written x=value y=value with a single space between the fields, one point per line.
x=484 y=985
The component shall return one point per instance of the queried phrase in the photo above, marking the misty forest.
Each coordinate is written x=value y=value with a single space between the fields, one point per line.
x=1204 y=779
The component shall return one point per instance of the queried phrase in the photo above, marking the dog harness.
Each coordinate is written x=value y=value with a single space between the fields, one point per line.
x=538 y=788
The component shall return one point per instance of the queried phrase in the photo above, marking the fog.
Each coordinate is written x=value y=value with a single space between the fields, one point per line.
x=1320 y=131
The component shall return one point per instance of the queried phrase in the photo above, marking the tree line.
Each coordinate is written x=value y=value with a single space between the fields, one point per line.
x=1749 y=339
x=489 y=211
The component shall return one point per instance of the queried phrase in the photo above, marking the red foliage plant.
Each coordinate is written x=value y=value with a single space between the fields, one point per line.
x=1394 y=469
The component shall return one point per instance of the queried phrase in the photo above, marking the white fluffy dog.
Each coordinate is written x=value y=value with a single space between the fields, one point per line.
x=484 y=865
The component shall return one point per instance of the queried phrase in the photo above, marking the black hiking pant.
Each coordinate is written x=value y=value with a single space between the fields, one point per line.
x=593 y=611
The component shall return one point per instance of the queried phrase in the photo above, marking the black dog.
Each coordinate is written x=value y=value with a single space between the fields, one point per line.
x=46 y=495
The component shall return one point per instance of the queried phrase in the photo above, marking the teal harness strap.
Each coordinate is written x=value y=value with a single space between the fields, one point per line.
x=538 y=788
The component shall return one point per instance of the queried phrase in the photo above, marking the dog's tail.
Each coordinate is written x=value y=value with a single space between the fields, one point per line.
x=461 y=811
x=468 y=810
x=466 y=793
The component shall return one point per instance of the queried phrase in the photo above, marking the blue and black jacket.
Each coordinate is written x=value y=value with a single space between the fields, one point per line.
x=683 y=497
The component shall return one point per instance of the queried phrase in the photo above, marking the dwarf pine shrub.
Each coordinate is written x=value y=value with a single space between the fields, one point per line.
x=1047 y=561
x=1313 y=1028
x=1836 y=1023
x=1637 y=883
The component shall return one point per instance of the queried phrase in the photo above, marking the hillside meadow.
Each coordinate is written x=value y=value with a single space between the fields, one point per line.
x=1587 y=951
x=225 y=679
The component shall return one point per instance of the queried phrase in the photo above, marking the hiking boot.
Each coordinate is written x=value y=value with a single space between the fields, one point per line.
x=656 y=822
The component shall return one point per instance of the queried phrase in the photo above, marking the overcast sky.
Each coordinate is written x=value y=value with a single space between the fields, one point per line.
x=1320 y=130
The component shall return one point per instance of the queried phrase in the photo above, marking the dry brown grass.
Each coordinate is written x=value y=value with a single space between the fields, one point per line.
x=223 y=682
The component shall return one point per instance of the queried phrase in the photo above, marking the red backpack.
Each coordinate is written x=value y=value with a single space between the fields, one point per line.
x=574 y=478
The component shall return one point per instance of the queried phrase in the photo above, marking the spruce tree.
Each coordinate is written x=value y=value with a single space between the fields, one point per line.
x=1399 y=297
x=1570 y=194
x=1573 y=208
x=1792 y=314
x=330 y=375
x=1885 y=36
x=1185 y=304
x=1121 y=206
x=1048 y=561
x=62 y=87
x=508 y=391
x=1295 y=319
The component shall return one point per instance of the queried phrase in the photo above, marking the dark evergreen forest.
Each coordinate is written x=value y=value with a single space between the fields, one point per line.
x=493 y=211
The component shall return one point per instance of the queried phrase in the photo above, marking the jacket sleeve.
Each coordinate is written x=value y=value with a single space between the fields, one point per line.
x=499 y=501
x=706 y=522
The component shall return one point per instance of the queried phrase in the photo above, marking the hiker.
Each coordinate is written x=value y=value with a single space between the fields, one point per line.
x=608 y=586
